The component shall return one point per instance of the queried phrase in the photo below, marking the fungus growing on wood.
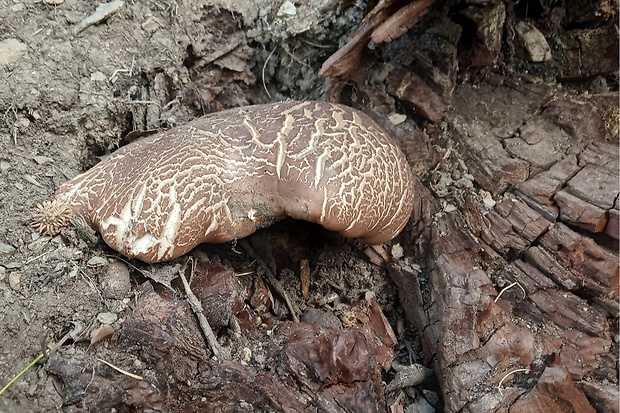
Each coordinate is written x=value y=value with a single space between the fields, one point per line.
x=225 y=175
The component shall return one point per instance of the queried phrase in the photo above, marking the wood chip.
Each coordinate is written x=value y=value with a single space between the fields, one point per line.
x=101 y=333
x=304 y=275
x=41 y=160
x=103 y=12
x=33 y=181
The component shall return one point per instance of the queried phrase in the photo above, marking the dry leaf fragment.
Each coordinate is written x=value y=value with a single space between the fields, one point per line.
x=104 y=331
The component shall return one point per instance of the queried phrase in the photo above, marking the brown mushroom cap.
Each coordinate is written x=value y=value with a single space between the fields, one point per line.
x=225 y=175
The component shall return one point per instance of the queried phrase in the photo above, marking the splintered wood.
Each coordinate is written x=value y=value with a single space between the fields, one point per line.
x=387 y=21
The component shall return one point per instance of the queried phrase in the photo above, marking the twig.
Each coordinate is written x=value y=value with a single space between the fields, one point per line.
x=36 y=258
x=273 y=281
x=116 y=72
x=172 y=102
x=133 y=376
x=133 y=63
x=304 y=277
x=241 y=274
x=139 y=102
x=499 y=386
x=102 y=12
x=202 y=320
x=320 y=46
x=263 y=74
x=510 y=286
x=77 y=329
x=13 y=128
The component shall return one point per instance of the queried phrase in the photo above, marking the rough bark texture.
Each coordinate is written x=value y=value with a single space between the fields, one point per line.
x=553 y=231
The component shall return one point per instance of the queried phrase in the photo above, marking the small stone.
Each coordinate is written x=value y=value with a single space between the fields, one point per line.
x=17 y=7
x=15 y=280
x=321 y=317
x=41 y=160
x=487 y=199
x=107 y=318
x=409 y=376
x=397 y=118
x=448 y=207
x=287 y=10
x=116 y=306
x=11 y=50
x=72 y=17
x=432 y=397
x=246 y=354
x=39 y=243
x=534 y=43
x=54 y=2
x=397 y=251
x=97 y=77
x=13 y=265
x=115 y=281
x=151 y=24
x=420 y=405
x=97 y=262
x=6 y=249
x=2 y=273
x=22 y=122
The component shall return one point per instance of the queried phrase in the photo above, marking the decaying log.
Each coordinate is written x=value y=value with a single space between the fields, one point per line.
x=410 y=88
x=587 y=53
x=555 y=392
x=554 y=174
x=484 y=44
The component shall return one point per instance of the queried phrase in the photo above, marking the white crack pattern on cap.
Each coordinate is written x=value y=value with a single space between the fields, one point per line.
x=225 y=175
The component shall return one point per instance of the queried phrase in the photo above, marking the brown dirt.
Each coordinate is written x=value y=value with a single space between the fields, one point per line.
x=67 y=99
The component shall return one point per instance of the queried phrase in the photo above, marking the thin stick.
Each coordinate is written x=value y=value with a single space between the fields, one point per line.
x=202 y=320
x=263 y=74
x=36 y=258
x=499 y=386
x=126 y=373
x=241 y=274
x=510 y=286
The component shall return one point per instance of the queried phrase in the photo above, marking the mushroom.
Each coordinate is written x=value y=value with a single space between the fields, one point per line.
x=227 y=174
